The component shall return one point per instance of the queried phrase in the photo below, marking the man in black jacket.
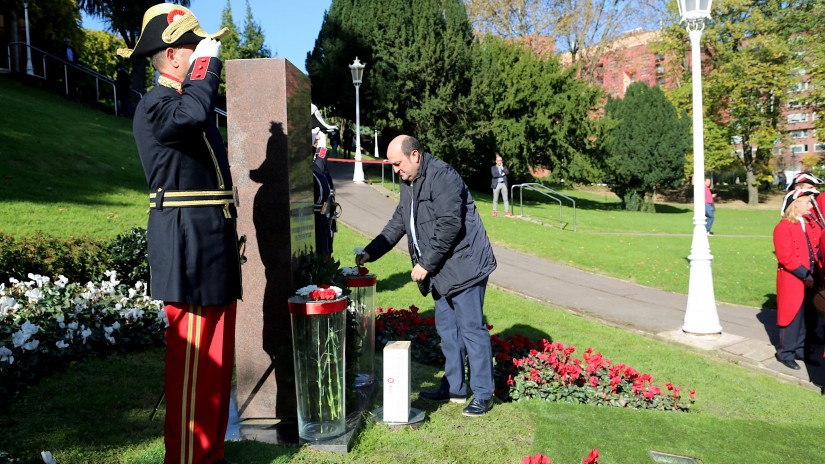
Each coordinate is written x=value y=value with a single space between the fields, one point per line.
x=192 y=238
x=452 y=257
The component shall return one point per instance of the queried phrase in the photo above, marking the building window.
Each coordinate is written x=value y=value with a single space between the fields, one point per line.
x=796 y=149
x=799 y=87
x=799 y=134
x=820 y=146
x=736 y=140
x=797 y=117
x=794 y=104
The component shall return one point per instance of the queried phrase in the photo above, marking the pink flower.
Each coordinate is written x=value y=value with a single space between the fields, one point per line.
x=693 y=394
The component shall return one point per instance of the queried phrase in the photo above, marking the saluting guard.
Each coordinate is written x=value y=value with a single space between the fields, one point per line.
x=192 y=238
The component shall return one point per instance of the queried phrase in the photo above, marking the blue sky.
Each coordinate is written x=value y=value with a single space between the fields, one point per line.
x=290 y=27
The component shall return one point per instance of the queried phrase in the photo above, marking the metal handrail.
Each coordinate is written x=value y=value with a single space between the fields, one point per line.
x=66 y=66
x=544 y=190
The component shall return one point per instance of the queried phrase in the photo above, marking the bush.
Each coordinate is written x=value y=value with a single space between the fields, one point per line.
x=78 y=259
x=128 y=256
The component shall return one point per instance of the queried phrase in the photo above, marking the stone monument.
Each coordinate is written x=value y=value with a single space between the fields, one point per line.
x=269 y=141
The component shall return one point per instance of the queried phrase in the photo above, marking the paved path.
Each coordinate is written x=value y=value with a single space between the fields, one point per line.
x=747 y=332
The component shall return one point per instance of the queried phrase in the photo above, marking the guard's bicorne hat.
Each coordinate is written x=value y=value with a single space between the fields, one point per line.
x=167 y=25
x=804 y=178
x=793 y=195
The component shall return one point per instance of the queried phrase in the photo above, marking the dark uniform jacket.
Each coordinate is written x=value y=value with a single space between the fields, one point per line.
x=324 y=205
x=193 y=250
x=451 y=237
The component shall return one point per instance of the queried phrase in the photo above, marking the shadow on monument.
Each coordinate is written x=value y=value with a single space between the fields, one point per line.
x=273 y=239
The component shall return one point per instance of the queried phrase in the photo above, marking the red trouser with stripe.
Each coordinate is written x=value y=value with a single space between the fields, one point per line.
x=200 y=352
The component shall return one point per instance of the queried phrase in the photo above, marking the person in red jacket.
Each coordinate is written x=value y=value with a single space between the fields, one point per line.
x=798 y=265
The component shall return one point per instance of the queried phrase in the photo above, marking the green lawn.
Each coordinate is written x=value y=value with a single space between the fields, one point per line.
x=73 y=171
x=740 y=415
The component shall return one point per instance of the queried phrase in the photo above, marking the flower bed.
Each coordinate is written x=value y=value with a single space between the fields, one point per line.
x=47 y=325
x=521 y=371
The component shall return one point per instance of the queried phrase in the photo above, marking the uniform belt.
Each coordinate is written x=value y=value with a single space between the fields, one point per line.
x=186 y=198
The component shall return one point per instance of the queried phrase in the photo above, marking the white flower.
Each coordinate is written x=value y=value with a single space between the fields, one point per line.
x=132 y=293
x=350 y=271
x=26 y=330
x=47 y=457
x=13 y=281
x=304 y=291
x=85 y=333
x=38 y=279
x=29 y=328
x=61 y=344
x=7 y=304
x=61 y=281
x=116 y=325
x=32 y=345
x=73 y=325
x=5 y=355
x=34 y=295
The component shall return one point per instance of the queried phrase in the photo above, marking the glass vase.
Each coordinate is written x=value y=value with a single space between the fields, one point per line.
x=362 y=307
x=318 y=341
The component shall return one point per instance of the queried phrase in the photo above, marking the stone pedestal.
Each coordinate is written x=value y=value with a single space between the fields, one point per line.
x=268 y=102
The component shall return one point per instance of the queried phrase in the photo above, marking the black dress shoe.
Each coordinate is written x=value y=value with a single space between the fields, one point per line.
x=478 y=407
x=790 y=364
x=442 y=394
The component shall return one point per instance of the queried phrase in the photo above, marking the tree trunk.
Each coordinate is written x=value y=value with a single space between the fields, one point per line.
x=753 y=188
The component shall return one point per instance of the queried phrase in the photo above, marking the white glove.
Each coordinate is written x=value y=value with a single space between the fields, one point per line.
x=206 y=47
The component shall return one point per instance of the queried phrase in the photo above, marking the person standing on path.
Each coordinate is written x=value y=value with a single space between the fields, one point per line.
x=500 y=185
x=452 y=258
x=192 y=238
x=710 y=210
x=797 y=257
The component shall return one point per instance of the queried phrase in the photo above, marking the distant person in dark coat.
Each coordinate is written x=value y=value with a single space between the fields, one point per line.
x=500 y=185
x=123 y=87
x=349 y=141
x=452 y=258
x=192 y=239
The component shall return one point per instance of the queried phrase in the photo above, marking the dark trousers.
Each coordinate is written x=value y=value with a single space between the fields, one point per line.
x=792 y=338
x=460 y=324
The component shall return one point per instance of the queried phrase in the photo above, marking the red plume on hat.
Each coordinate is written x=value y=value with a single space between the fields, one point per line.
x=793 y=195
x=168 y=25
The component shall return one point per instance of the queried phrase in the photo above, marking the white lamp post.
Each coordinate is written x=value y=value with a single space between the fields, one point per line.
x=29 y=67
x=357 y=70
x=701 y=317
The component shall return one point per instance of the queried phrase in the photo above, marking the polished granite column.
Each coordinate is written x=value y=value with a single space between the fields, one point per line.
x=269 y=141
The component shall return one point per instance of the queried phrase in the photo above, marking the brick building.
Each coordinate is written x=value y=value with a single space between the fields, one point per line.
x=631 y=59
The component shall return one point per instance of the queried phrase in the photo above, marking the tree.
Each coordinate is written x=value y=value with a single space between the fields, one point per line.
x=534 y=112
x=645 y=151
x=125 y=17
x=253 y=45
x=748 y=63
x=585 y=29
x=417 y=80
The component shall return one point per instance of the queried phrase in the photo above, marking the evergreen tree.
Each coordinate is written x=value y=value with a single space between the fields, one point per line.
x=418 y=57
x=534 y=112
x=253 y=45
x=230 y=43
x=645 y=150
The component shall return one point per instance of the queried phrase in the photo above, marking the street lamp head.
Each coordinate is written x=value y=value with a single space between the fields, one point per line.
x=694 y=10
x=357 y=70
